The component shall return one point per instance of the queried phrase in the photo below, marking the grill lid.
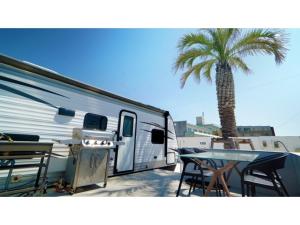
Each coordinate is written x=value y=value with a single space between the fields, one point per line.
x=80 y=134
x=92 y=138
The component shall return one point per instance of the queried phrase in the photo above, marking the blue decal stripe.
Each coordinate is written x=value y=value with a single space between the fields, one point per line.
x=28 y=85
x=23 y=94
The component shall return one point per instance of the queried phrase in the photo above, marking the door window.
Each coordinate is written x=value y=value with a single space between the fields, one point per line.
x=127 y=126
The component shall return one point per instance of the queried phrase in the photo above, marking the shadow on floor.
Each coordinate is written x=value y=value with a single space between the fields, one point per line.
x=154 y=183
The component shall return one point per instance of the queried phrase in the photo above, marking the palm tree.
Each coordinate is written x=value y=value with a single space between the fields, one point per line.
x=225 y=50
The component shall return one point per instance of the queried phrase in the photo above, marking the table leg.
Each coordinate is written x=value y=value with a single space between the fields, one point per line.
x=211 y=183
x=219 y=173
x=230 y=171
x=227 y=192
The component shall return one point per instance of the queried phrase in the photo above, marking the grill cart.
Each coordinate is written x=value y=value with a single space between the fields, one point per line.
x=88 y=158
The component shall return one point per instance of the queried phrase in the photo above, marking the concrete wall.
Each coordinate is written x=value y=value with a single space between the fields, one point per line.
x=291 y=142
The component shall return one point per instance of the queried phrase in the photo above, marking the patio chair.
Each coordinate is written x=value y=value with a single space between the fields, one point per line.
x=263 y=173
x=197 y=174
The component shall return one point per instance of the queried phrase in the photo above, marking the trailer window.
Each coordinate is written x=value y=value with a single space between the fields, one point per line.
x=95 y=122
x=157 y=136
x=127 y=126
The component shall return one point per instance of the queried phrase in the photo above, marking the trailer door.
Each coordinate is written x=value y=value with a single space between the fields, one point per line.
x=127 y=134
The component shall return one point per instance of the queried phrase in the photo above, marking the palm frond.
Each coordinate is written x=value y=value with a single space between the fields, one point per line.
x=230 y=36
x=208 y=67
x=238 y=63
x=196 y=71
x=192 y=39
x=217 y=42
x=222 y=39
x=261 y=41
x=188 y=57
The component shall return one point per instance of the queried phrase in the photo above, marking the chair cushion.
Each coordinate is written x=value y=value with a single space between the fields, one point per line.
x=258 y=173
x=206 y=173
x=259 y=181
x=261 y=174
x=198 y=183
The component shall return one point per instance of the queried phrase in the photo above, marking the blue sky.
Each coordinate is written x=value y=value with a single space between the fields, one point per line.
x=138 y=64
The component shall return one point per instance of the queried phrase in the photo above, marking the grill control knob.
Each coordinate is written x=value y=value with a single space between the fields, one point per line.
x=108 y=143
x=86 y=142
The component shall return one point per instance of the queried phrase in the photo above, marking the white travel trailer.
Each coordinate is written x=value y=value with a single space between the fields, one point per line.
x=38 y=101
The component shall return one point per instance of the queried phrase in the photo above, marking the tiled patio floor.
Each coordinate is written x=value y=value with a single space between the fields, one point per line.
x=152 y=183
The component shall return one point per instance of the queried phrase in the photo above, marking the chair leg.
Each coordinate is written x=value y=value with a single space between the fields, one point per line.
x=203 y=184
x=180 y=183
x=218 y=187
x=276 y=187
x=253 y=190
x=242 y=186
x=181 y=179
x=222 y=188
x=243 y=189
x=281 y=184
x=217 y=184
x=283 y=187
x=248 y=189
x=191 y=185
x=195 y=183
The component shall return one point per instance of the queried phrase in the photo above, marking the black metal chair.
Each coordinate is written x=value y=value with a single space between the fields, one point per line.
x=263 y=173
x=198 y=174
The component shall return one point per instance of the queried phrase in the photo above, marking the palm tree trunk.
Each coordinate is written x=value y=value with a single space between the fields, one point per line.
x=226 y=99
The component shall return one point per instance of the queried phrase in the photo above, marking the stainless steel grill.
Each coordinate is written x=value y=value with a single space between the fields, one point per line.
x=88 y=157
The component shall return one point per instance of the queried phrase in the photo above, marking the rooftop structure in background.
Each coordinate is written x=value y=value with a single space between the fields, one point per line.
x=200 y=120
x=185 y=129
x=255 y=131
